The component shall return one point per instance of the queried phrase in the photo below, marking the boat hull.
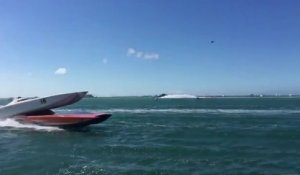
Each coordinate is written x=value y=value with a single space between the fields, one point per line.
x=64 y=120
x=40 y=104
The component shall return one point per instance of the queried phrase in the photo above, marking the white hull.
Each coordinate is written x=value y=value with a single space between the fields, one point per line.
x=40 y=104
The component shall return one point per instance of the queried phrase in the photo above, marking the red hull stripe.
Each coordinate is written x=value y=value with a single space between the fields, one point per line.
x=65 y=119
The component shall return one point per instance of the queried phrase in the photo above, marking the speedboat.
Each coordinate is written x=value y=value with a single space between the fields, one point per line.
x=38 y=111
x=176 y=96
x=31 y=105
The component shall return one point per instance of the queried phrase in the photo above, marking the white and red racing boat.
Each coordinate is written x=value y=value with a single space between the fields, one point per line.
x=31 y=105
x=38 y=111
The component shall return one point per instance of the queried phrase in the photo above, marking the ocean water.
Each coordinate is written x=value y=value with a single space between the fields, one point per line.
x=166 y=136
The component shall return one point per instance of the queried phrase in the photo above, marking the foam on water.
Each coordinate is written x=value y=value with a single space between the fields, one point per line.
x=189 y=111
x=14 y=124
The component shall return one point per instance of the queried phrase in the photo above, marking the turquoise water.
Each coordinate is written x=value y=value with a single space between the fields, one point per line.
x=148 y=136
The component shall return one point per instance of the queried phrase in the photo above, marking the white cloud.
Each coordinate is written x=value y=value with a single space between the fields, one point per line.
x=142 y=55
x=151 y=56
x=61 y=71
x=104 y=60
x=130 y=52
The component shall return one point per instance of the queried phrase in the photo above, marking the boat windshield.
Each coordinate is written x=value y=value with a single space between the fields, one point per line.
x=20 y=99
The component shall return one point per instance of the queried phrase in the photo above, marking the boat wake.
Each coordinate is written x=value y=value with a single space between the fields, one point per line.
x=187 y=111
x=11 y=123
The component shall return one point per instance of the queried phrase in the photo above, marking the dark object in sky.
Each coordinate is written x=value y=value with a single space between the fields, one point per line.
x=212 y=42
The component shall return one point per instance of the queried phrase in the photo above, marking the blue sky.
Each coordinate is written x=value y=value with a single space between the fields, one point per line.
x=146 y=47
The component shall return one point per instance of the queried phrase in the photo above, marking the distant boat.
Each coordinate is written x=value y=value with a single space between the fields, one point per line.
x=160 y=95
x=177 y=96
